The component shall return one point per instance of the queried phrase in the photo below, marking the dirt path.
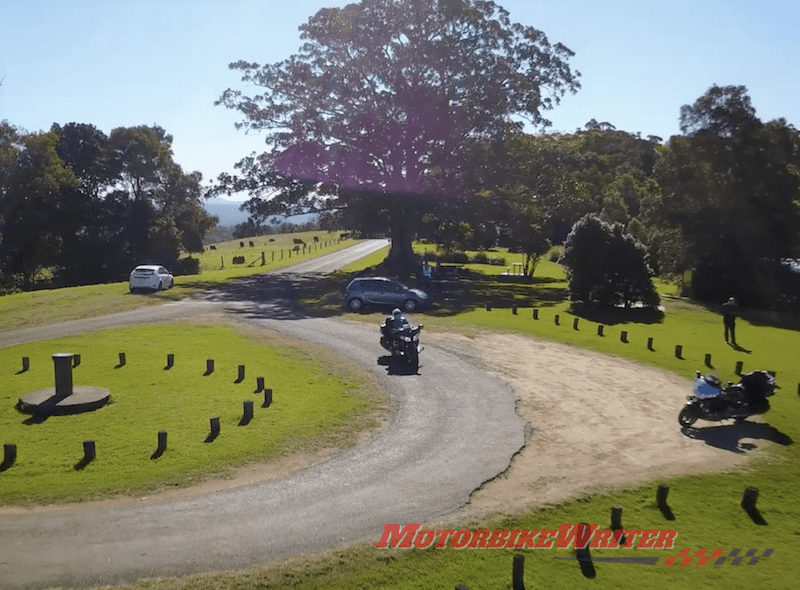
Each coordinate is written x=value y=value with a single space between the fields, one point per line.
x=596 y=422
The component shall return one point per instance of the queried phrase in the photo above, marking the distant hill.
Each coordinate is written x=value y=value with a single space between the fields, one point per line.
x=227 y=211
x=230 y=216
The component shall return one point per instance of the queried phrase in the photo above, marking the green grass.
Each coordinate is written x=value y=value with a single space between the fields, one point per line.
x=706 y=506
x=56 y=305
x=313 y=407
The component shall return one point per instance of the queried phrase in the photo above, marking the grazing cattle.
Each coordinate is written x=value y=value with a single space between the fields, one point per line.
x=296 y=248
x=298 y=241
x=251 y=243
x=241 y=244
x=238 y=259
x=212 y=247
x=272 y=239
x=344 y=236
x=316 y=239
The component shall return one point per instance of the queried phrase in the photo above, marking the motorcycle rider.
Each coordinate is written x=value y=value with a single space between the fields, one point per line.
x=397 y=321
x=392 y=324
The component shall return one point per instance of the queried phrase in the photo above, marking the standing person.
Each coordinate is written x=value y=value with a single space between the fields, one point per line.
x=729 y=309
x=427 y=274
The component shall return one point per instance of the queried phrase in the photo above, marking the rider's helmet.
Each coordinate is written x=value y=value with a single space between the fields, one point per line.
x=396 y=312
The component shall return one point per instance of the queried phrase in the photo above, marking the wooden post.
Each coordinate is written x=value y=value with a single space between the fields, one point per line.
x=623 y=336
x=26 y=363
x=535 y=314
x=89 y=451
x=678 y=351
x=209 y=366
x=749 y=499
x=162 y=445
x=575 y=324
x=557 y=318
x=263 y=258
x=170 y=360
x=661 y=496
x=650 y=343
x=267 y=398
x=214 y=426
x=514 y=309
x=738 y=370
x=76 y=360
x=616 y=518
x=259 y=384
x=240 y=374
x=708 y=360
x=247 y=412
x=518 y=573
x=600 y=329
x=122 y=359
x=488 y=307
x=9 y=454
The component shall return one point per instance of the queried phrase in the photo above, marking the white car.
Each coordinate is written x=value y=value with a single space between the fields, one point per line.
x=151 y=277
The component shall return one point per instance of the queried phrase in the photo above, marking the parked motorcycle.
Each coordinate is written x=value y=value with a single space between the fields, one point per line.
x=714 y=402
x=402 y=343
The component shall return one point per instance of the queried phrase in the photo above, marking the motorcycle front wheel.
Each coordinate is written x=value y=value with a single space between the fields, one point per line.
x=687 y=417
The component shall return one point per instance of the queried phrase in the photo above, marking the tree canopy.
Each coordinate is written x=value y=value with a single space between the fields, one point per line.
x=383 y=100
x=606 y=266
x=82 y=207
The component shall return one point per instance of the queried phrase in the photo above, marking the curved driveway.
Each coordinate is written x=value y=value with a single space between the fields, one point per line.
x=454 y=428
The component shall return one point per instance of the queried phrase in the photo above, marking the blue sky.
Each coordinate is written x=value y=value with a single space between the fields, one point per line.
x=118 y=63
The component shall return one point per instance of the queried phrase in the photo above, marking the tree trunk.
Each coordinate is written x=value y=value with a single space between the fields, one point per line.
x=401 y=259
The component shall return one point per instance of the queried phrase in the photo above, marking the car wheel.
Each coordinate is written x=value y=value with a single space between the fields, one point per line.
x=409 y=305
x=355 y=304
x=160 y=286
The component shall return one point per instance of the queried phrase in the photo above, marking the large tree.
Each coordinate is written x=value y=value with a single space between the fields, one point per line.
x=731 y=186
x=382 y=102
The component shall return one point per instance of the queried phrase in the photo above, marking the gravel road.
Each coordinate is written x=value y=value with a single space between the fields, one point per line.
x=455 y=427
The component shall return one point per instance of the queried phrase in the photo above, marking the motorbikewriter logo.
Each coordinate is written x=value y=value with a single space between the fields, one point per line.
x=578 y=536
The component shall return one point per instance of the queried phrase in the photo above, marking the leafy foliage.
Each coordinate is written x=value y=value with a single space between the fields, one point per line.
x=606 y=266
x=82 y=207
x=382 y=104
x=731 y=187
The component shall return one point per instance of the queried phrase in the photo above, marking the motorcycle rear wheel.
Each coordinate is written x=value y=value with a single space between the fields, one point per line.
x=413 y=359
x=687 y=417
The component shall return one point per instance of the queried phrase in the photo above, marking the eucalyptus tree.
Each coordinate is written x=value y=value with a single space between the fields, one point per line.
x=382 y=101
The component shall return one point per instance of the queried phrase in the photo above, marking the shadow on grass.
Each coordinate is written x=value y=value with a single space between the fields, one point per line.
x=729 y=436
x=611 y=316
x=757 y=317
x=290 y=296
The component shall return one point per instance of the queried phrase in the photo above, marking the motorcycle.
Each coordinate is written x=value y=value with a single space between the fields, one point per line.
x=714 y=402
x=402 y=343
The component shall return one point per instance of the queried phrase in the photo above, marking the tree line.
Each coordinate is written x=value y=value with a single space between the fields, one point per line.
x=407 y=117
x=80 y=207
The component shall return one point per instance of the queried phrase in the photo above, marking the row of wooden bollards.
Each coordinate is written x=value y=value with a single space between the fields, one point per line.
x=584 y=558
x=90 y=450
x=623 y=336
x=123 y=360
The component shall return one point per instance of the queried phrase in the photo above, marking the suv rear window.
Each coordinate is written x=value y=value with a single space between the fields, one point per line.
x=144 y=271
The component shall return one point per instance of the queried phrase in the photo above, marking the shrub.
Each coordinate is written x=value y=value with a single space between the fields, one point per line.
x=606 y=266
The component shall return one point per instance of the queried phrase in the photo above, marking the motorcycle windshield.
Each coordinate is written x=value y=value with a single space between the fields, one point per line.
x=704 y=390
